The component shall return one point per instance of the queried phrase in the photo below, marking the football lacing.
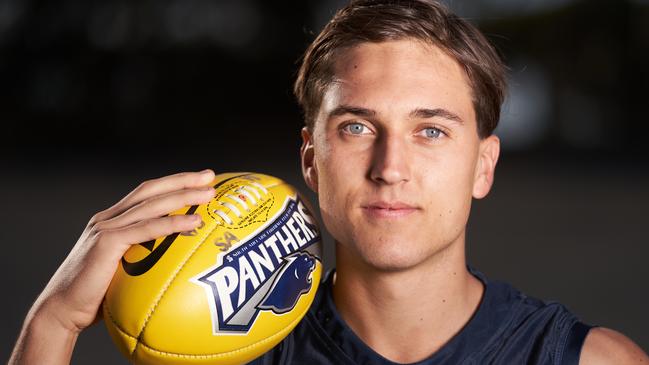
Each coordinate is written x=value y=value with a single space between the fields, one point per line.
x=232 y=208
x=244 y=193
x=241 y=202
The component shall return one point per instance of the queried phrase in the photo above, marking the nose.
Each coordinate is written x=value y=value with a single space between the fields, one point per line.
x=390 y=162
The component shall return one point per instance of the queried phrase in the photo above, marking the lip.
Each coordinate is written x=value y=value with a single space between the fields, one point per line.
x=383 y=209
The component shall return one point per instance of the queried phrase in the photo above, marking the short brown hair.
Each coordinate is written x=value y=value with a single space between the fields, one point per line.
x=384 y=20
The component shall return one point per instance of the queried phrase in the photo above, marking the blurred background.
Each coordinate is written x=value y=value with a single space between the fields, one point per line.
x=97 y=96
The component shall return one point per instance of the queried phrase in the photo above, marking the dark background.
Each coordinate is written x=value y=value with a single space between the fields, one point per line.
x=96 y=97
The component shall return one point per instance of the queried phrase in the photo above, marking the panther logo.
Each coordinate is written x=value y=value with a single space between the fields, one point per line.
x=289 y=285
x=268 y=271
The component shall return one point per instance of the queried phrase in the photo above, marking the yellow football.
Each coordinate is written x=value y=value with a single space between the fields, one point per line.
x=226 y=292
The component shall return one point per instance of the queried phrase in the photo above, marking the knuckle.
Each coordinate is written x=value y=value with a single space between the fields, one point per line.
x=99 y=226
x=177 y=223
x=177 y=220
x=191 y=194
x=94 y=220
x=197 y=178
x=98 y=217
x=101 y=237
x=144 y=185
x=143 y=203
x=153 y=205
x=149 y=227
x=191 y=178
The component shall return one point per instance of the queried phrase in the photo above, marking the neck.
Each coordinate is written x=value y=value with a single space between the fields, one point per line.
x=406 y=315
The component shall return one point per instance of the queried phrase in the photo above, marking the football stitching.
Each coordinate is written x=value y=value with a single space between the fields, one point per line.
x=169 y=282
x=272 y=202
x=117 y=325
x=143 y=345
x=166 y=287
x=205 y=356
x=267 y=211
x=288 y=328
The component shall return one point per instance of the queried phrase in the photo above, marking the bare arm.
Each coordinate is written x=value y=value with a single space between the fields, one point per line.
x=604 y=346
x=71 y=300
x=44 y=337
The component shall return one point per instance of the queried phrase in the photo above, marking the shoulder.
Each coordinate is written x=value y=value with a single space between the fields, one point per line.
x=604 y=346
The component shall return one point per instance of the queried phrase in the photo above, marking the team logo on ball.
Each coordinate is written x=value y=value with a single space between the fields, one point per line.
x=268 y=271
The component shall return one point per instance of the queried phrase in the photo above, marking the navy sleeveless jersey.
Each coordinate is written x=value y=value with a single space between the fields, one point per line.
x=508 y=328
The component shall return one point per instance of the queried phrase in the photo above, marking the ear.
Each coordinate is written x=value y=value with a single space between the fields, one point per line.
x=309 y=169
x=483 y=178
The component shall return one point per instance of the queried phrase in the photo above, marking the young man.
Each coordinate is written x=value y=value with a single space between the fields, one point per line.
x=400 y=102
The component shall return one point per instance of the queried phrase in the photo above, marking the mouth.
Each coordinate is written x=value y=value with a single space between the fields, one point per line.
x=382 y=209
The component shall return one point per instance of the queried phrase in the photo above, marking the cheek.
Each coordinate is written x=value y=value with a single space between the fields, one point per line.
x=333 y=210
x=340 y=168
x=451 y=182
x=340 y=178
x=459 y=162
x=336 y=185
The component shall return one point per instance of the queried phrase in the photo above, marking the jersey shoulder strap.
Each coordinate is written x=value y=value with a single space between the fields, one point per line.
x=574 y=343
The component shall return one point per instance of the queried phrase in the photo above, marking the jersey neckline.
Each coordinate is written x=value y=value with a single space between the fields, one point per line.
x=485 y=325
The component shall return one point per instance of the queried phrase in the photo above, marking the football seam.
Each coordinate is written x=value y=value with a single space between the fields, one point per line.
x=171 y=280
x=167 y=286
x=205 y=356
x=144 y=346
x=117 y=325
x=288 y=328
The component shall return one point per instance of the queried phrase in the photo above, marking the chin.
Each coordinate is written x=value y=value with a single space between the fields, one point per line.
x=390 y=254
x=392 y=264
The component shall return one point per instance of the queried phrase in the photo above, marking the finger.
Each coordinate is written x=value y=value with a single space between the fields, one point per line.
x=155 y=187
x=149 y=229
x=158 y=206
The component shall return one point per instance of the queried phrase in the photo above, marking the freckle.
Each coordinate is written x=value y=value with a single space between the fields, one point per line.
x=449 y=212
x=443 y=300
x=454 y=273
x=355 y=66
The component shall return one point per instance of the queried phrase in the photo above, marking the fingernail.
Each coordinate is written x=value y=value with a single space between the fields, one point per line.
x=196 y=218
x=206 y=172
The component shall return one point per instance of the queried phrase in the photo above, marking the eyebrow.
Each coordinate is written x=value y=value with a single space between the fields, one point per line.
x=423 y=113
x=348 y=109
x=437 y=112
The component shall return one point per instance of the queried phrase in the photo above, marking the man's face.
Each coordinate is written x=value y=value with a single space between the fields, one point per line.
x=395 y=156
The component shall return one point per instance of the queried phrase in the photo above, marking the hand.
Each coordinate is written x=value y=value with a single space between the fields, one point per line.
x=71 y=300
x=78 y=287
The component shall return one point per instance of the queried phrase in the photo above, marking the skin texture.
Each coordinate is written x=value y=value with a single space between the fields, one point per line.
x=393 y=160
x=395 y=188
x=605 y=346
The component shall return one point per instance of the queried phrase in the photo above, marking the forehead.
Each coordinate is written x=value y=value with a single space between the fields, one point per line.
x=397 y=77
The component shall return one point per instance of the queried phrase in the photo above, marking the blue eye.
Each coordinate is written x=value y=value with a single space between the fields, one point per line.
x=433 y=133
x=355 y=128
